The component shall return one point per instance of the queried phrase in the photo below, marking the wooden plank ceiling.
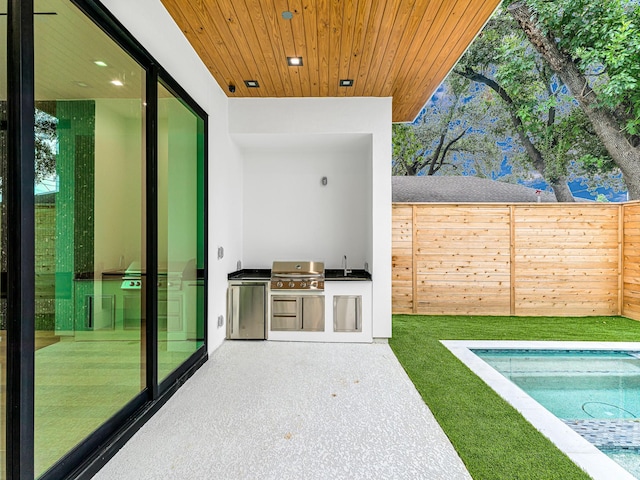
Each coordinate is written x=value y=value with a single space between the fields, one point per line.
x=389 y=48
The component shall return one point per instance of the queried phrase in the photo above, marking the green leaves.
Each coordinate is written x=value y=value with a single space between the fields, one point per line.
x=603 y=37
x=45 y=144
x=455 y=134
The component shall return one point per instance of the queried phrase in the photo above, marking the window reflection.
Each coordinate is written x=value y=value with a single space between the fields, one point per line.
x=180 y=232
x=89 y=229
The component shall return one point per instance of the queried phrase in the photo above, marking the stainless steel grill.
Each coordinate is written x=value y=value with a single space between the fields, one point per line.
x=132 y=278
x=297 y=276
x=168 y=278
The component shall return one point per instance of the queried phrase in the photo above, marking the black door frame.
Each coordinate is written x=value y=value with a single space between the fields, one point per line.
x=20 y=239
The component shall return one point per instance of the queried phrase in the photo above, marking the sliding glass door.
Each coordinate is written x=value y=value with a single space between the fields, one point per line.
x=89 y=214
x=102 y=255
x=180 y=232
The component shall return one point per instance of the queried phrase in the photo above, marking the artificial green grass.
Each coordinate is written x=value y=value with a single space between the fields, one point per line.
x=492 y=438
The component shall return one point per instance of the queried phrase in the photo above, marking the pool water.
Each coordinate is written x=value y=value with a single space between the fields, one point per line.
x=596 y=393
x=628 y=459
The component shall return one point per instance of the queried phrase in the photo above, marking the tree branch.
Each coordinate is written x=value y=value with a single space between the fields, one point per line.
x=446 y=149
x=436 y=155
x=532 y=152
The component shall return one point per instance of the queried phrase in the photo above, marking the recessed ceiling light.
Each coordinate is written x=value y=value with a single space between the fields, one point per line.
x=346 y=82
x=251 y=83
x=294 y=61
x=287 y=15
x=117 y=83
x=100 y=63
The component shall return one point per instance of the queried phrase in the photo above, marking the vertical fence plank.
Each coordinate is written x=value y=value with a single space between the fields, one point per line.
x=402 y=259
x=414 y=257
x=621 y=208
x=631 y=262
x=512 y=261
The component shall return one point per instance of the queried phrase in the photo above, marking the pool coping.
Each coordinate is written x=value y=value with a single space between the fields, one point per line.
x=595 y=463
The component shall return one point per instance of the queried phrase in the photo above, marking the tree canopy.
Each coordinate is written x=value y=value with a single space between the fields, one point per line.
x=539 y=108
x=455 y=134
x=602 y=38
x=594 y=49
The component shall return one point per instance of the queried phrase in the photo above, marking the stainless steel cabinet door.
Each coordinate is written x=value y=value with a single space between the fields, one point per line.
x=347 y=313
x=246 y=312
x=313 y=313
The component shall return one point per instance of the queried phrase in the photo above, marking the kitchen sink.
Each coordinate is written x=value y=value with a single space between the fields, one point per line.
x=338 y=275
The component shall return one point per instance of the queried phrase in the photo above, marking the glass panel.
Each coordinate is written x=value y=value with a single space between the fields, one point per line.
x=180 y=232
x=89 y=229
x=3 y=238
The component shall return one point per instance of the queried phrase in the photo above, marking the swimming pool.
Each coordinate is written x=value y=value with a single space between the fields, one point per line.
x=584 y=396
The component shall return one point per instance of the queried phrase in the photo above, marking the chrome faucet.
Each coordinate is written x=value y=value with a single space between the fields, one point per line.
x=344 y=266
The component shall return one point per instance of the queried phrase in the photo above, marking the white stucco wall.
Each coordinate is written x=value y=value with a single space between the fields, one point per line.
x=118 y=165
x=290 y=215
x=153 y=27
x=321 y=116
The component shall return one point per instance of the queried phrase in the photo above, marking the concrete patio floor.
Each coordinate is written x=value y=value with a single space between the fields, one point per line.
x=277 y=410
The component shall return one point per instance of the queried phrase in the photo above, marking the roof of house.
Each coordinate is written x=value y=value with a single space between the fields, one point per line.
x=462 y=189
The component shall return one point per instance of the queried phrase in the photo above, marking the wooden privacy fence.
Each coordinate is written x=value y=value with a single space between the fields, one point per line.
x=521 y=259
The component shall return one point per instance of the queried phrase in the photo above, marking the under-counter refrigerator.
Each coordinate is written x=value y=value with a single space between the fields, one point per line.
x=246 y=311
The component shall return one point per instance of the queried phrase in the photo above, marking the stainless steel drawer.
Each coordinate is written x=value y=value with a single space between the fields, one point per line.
x=284 y=305
x=286 y=313
x=297 y=312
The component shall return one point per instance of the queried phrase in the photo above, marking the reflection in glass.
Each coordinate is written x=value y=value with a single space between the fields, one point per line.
x=89 y=229
x=180 y=232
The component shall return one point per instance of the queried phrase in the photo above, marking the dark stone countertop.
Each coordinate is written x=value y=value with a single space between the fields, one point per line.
x=330 y=275
x=337 y=275
x=250 y=274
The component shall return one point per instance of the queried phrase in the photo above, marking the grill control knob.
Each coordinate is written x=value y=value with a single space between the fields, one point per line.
x=279 y=284
x=131 y=284
x=291 y=284
x=303 y=284
x=313 y=284
x=138 y=284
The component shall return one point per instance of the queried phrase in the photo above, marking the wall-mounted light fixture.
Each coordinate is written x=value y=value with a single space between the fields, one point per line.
x=251 y=83
x=294 y=61
x=346 y=82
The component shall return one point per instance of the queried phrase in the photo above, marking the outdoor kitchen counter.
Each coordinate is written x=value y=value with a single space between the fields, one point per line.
x=330 y=275
x=338 y=275
x=346 y=299
x=251 y=274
